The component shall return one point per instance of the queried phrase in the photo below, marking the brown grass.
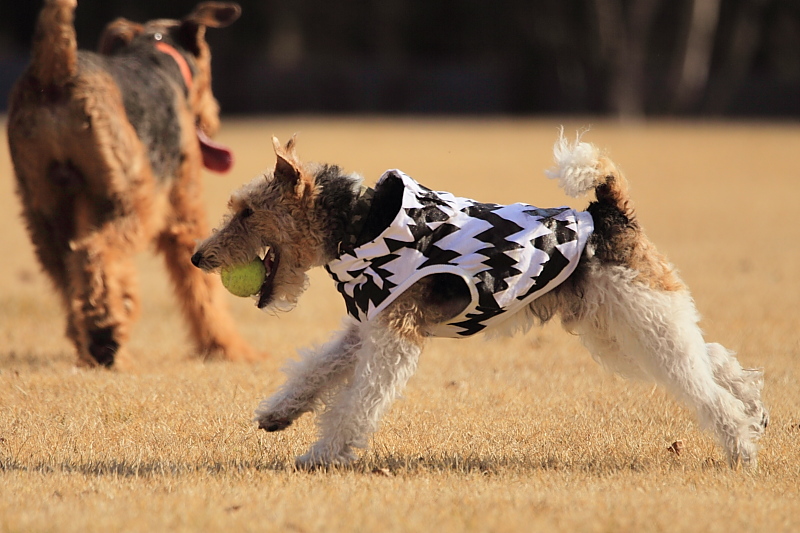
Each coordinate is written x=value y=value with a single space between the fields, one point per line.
x=523 y=434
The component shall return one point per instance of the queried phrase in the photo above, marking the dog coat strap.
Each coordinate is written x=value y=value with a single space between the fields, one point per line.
x=183 y=65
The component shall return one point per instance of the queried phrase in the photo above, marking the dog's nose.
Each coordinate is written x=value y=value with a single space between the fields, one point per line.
x=196 y=258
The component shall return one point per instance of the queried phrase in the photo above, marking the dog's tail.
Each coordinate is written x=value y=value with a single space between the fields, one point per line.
x=580 y=167
x=618 y=236
x=55 y=48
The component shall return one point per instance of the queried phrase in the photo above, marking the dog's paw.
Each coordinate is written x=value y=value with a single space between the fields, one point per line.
x=758 y=421
x=315 y=459
x=744 y=456
x=274 y=423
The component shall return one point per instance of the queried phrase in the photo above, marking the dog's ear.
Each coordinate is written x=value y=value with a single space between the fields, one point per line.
x=118 y=34
x=192 y=30
x=215 y=14
x=287 y=167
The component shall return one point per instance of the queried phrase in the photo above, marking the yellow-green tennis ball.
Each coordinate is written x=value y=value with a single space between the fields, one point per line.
x=244 y=280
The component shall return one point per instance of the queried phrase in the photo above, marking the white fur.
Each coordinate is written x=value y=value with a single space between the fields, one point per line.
x=654 y=335
x=628 y=327
x=310 y=378
x=358 y=374
x=384 y=364
x=576 y=165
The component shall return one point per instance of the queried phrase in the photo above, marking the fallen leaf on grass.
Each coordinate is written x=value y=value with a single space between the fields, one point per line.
x=676 y=447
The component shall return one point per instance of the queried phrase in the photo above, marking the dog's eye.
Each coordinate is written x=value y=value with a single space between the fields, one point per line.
x=246 y=212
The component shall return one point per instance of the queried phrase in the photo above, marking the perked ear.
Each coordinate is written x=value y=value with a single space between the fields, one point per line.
x=192 y=30
x=287 y=168
x=215 y=14
x=118 y=34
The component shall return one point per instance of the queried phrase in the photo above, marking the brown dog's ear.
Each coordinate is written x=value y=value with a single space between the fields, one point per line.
x=118 y=34
x=192 y=30
x=215 y=14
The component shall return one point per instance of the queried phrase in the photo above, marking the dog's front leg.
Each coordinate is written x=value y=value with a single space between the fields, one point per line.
x=317 y=372
x=386 y=360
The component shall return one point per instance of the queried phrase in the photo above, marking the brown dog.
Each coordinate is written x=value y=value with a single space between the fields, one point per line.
x=107 y=150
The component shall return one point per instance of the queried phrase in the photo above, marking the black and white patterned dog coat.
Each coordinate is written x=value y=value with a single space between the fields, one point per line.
x=508 y=255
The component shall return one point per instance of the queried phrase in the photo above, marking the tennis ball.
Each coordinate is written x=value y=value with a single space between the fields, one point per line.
x=244 y=280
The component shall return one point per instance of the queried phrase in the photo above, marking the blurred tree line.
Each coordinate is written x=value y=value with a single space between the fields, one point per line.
x=621 y=57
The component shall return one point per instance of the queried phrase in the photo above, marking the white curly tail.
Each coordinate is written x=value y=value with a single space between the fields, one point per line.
x=578 y=168
x=581 y=167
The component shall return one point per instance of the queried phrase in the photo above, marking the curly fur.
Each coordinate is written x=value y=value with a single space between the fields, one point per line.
x=107 y=154
x=624 y=299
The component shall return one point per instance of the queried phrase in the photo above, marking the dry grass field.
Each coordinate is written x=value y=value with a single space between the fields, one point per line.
x=522 y=434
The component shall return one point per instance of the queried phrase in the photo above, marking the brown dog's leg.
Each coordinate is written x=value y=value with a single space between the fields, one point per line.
x=201 y=296
x=85 y=246
x=51 y=249
x=104 y=299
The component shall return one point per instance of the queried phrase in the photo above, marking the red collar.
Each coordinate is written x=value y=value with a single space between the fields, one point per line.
x=186 y=72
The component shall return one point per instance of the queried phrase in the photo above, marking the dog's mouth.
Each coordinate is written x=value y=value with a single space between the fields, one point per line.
x=271 y=260
x=216 y=156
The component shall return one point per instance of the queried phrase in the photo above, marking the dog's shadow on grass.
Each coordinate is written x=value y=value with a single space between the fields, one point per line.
x=385 y=466
x=494 y=465
x=32 y=361
x=135 y=469
x=489 y=466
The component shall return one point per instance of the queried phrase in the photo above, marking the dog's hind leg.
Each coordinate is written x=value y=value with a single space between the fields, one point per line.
x=744 y=383
x=309 y=380
x=103 y=292
x=50 y=238
x=657 y=331
x=82 y=248
x=385 y=361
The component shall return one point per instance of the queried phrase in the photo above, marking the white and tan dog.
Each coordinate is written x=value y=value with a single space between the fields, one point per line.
x=412 y=263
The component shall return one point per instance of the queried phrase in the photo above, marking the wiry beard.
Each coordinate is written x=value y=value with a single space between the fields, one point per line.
x=286 y=297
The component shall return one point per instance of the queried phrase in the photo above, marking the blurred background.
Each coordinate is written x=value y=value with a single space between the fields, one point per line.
x=623 y=58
